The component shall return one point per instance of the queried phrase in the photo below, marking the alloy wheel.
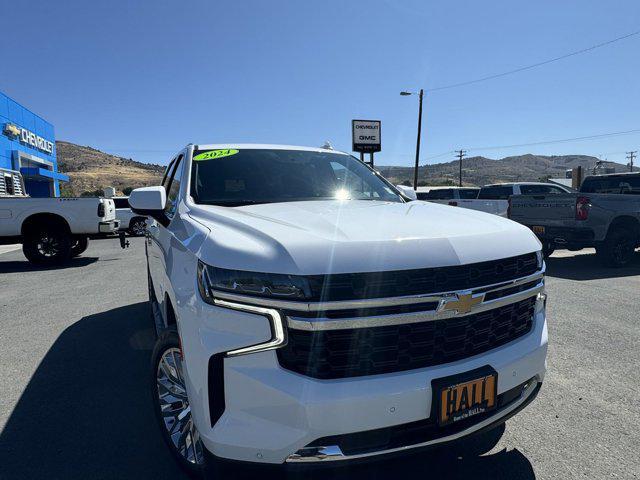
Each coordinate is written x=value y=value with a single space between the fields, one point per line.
x=175 y=408
x=48 y=246
x=622 y=252
x=139 y=228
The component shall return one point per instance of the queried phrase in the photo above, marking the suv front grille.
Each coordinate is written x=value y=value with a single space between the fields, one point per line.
x=329 y=354
x=395 y=283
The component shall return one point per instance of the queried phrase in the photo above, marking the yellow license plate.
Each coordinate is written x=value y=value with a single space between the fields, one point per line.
x=538 y=229
x=466 y=399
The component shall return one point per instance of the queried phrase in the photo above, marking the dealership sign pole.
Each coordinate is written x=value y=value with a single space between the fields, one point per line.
x=366 y=137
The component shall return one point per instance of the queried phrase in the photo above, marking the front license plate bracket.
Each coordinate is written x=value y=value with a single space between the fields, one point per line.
x=464 y=395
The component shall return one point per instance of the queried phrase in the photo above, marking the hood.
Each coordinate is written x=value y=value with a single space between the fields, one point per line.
x=334 y=236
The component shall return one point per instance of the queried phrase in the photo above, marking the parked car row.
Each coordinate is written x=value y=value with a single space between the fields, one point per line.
x=490 y=198
x=604 y=213
x=297 y=295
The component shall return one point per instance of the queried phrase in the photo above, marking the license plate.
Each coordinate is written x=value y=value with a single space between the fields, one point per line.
x=463 y=400
x=538 y=229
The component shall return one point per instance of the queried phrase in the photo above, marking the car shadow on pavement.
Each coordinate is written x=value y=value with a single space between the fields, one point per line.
x=86 y=413
x=588 y=267
x=16 y=266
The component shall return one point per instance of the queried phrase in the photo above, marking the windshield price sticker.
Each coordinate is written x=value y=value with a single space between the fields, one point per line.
x=214 y=154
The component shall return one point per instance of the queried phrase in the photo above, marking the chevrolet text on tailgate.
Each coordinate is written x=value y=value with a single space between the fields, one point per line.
x=306 y=313
x=604 y=214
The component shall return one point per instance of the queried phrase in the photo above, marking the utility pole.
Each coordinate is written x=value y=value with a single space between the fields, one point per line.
x=630 y=157
x=461 y=154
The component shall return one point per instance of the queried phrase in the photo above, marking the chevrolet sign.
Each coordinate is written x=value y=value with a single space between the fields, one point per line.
x=29 y=138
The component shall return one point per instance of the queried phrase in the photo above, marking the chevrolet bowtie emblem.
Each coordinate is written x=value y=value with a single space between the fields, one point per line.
x=11 y=130
x=461 y=303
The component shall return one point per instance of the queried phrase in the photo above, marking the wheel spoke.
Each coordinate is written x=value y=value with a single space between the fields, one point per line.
x=175 y=409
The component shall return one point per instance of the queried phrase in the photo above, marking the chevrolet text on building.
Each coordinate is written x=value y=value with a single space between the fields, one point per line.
x=29 y=138
x=35 y=141
x=27 y=146
x=306 y=313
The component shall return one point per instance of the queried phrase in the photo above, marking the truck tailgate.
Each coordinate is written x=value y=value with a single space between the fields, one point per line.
x=543 y=209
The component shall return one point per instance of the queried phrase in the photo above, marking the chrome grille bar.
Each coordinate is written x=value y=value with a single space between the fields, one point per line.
x=370 y=302
x=316 y=324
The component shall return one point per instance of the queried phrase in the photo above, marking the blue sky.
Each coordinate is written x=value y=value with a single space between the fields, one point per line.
x=142 y=79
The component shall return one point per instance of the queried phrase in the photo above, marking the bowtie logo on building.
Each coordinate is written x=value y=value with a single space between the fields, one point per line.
x=11 y=130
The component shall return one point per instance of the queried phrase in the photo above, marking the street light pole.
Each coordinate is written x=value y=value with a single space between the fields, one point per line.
x=415 y=172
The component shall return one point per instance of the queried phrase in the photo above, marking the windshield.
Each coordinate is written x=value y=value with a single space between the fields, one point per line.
x=235 y=177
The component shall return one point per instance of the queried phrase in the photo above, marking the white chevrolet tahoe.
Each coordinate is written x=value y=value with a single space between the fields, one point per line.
x=51 y=230
x=307 y=314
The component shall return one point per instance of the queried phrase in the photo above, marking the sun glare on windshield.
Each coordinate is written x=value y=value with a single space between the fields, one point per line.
x=342 y=194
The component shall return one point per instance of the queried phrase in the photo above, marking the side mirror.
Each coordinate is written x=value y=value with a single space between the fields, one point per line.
x=149 y=201
x=408 y=192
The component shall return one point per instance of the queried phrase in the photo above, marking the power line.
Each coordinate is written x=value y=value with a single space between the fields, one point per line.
x=562 y=140
x=534 y=65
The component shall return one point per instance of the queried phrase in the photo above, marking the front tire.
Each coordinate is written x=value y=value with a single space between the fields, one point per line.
x=618 y=248
x=138 y=227
x=47 y=245
x=172 y=407
x=79 y=245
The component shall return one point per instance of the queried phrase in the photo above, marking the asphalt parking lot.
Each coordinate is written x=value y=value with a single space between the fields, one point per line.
x=75 y=401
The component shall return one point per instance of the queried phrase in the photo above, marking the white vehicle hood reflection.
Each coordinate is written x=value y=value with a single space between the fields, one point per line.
x=334 y=236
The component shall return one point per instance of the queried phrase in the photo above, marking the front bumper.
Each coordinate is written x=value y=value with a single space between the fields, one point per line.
x=108 y=227
x=272 y=415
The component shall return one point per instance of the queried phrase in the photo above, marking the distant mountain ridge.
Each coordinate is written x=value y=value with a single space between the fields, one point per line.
x=91 y=170
x=481 y=170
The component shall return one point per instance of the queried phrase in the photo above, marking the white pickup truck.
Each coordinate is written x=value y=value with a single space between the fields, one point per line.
x=307 y=313
x=51 y=230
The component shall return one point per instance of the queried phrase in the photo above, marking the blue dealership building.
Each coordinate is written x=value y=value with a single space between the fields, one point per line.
x=27 y=145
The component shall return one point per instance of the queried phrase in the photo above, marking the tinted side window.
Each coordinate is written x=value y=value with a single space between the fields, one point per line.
x=533 y=189
x=422 y=195
x=468 y=193
x=496 y=193
x=174 y=188
x=622 y=184
x=440 y=194
x=121 y=202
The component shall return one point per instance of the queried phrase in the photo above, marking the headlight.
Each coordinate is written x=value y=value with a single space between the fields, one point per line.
x=540 y=259
x=274 y=285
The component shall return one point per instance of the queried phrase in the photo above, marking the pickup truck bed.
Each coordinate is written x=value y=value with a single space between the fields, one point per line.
x=608 y=222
